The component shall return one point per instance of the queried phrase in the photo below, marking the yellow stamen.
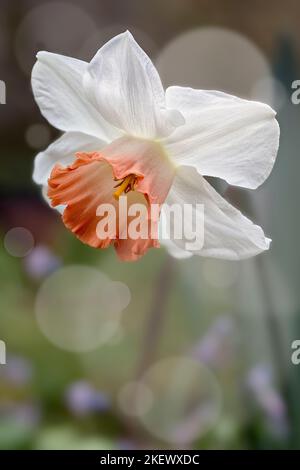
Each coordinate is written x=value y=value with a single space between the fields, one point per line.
x=127 y=184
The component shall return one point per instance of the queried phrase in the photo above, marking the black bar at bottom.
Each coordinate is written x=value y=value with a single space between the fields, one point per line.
x=134 y=459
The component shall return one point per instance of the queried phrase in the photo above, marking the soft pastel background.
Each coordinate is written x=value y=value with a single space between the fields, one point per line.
x=158 y=353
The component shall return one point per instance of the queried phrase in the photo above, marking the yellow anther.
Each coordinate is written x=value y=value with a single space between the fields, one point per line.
x=126 y=185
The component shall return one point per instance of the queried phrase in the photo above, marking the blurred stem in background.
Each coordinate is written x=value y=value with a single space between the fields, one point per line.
x=273 y=325
x=277 y=343
x=155 y=318
x=277 y=346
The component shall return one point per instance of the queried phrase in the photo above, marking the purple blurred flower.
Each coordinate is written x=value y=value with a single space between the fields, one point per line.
x=40 y=262
x=17 y=371
x=83 y=399
x=25 y=413
x=28 y=414
x=216 y=347
x=260 y=382
x=126 y=444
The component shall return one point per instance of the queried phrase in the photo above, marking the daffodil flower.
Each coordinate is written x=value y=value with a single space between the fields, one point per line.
x=125 y=135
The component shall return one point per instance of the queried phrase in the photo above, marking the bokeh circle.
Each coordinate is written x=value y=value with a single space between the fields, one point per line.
x=213 y=58
x=177 y=400
x=38 y=136
x=18 y=242
x=53 y=26
x=78 y=308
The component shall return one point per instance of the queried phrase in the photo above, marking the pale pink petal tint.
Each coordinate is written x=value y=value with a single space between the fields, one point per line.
x=128 y=167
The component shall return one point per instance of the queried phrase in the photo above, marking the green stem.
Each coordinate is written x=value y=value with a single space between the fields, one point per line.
x=156 y=315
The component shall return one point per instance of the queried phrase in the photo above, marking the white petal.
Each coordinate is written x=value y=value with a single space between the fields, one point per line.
x=175 y=251
x=227 y=233
x=224 y=136
x=166 y=241
x=128 y=90
x=57 y=83
x=63 y=151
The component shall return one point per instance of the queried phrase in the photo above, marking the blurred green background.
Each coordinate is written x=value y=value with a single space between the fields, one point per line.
x=198 y=353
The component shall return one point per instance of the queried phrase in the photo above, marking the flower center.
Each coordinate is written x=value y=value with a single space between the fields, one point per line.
x=125 y=185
